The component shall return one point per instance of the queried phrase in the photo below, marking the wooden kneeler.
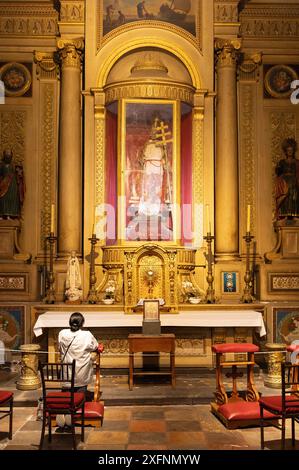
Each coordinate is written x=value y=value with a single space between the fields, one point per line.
x=232 y=409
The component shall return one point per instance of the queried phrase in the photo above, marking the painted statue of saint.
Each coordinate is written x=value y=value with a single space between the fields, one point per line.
x=73 y=279
x=287 y=182
x=12 y=188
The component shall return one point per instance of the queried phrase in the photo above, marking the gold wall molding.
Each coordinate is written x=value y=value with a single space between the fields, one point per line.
x=271 y=21
x=282 y=126
x=72 y=11
x=47 y=177
x=47 y=68
x=227 y=51
x=149 y=90
x=226 y=11
x=70 y=52
x=99 y=157
x=247 y=146
x=29 y=20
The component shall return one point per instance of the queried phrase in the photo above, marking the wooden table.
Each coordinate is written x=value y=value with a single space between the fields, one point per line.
x=151 y=343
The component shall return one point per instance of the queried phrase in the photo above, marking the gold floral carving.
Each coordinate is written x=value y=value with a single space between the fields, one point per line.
x=9 y=282
x=48 y=157
x=29 y=20
x=226 y=11
x=282 y=125
x=47 y=68
x=149 y=90
x=70 y=51
x=227 y=52
x=247 y=144
x=99 y=159
x=284 y=282
x=198 y=170
x=12 y=133
x=72 y=12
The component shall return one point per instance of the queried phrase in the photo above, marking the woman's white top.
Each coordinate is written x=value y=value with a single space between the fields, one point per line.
x=83 y=344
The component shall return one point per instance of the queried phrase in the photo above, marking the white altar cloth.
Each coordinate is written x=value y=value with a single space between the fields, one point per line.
x=204 y=318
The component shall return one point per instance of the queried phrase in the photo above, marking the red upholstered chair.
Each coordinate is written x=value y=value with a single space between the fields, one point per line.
x=53 y=375
x=220 y=393
x=6 y=400
x=284 y=406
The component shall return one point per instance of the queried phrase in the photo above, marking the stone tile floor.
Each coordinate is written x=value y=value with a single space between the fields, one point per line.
x=152 y=416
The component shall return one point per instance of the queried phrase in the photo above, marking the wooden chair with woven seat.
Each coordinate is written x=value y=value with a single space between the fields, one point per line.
x=6 y=400
x=284 y=406
x=55 y=401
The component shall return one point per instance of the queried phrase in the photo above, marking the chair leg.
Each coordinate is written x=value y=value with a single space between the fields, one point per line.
x=82 y=424
x=293 y=432
x=10 y=419
x=50 y=428
x=73 y=431
x=262 y=428
x=283 y=432
x=43 y=432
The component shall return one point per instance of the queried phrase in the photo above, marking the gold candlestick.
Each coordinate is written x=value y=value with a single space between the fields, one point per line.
x=50 y=293
x=210 y=293
x=247 y=296
x=92 y=294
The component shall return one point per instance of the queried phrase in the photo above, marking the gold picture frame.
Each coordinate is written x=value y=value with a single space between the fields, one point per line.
x=16 y=78
x=278 y=80
x=151 y=310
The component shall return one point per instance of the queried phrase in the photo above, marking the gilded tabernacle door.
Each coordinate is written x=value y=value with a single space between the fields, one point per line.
x=148 y=174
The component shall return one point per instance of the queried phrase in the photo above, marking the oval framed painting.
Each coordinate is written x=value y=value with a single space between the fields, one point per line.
x=278 y=80
x=16 y=78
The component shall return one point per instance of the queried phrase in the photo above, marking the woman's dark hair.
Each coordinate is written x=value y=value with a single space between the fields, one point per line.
x=76 y=321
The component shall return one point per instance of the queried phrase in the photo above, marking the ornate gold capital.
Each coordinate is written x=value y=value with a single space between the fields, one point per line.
x=47 y=66
x=227 y=51
x=70 y=51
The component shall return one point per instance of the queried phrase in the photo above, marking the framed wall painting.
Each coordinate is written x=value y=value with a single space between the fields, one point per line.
x=16 y=78
x=285 y=324
x=278 y=79
x=116 y=16
x=230 y=282
x=12 y=326
x=148 y=173
x=151 y=310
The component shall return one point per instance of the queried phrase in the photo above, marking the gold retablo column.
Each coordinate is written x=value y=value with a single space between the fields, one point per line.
x=70 y=178
x=227 y=228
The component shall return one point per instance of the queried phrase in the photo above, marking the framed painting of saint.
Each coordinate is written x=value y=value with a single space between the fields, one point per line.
x=148 y=171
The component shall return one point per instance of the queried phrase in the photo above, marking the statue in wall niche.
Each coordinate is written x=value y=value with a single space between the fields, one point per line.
x=12 y=187
x=73 y=283
x=287 y=182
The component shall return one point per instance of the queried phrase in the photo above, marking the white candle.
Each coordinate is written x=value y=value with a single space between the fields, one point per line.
x=52 y=218
x=208 y=222
x=248 y=218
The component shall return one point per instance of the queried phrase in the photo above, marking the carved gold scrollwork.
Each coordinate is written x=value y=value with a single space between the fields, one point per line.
x=70 y=51
x=47 y=66
x=227 y=51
